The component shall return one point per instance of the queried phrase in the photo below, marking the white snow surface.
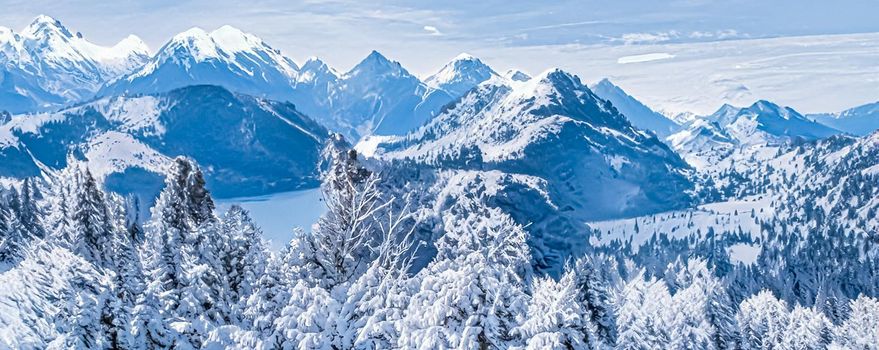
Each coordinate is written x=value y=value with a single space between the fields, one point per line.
x=720 y=216
x=29 y=298
x=113 y=152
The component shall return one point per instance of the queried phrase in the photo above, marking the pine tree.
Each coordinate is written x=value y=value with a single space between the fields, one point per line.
x=182 y=261
x=244 y=256
x=13 y=239
x=471 y=300
x=93 y=223
x=29 y=212
x=596 y=279
x=762 y=320
x=807 y=329
x=307 y=321
x=556 y=319
x=860 y=330
x=643 y=315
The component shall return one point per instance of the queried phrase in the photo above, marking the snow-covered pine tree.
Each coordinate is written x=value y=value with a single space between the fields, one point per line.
x=84 y=325
x=244 y=257
x=762 y=321
x=471 y=301
x=29 y=211
x=204 y=292
x=180 y=254
x=807 y=329
x=13 y=238
x=61 y=201
x=643 y=316
x=307 y=321
x=861 y=329
x=556 y=318
x=597 y=281
x=92 y=222
x=690 y=326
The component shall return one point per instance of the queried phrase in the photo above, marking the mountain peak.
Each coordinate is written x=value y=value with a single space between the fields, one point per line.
x=194 y=32
x=554 y=76
x=43 y=27
x=231 y=39
x=377 y=64
x=132 y=44
x=461 y=74
x=517 y=75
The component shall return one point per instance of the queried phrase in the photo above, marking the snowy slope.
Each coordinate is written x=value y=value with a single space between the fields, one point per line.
x=553 y=127
x=638 y=114
x=231 y=135
x=861 y=120
x=47 y=65
x=703 y=141
x=377 y=96
x=29 y=300
x=226 y=56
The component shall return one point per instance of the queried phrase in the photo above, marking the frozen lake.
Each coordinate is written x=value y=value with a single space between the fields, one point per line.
x=277 y=214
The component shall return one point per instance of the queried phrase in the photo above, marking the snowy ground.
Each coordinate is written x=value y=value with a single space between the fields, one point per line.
x=277 y=214
x=812 y=74
x=720 y=216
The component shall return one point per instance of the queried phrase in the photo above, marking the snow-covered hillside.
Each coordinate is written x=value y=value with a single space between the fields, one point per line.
x=377 y=96
x=861 y=120
x=638 y=114
x=705 y=140
x=126 y=138
x=595 y=162
x=226 y=56
x=46 y=65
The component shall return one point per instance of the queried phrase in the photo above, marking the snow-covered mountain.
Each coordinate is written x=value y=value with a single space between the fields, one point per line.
x=460 y=75
x=638 y=114
x=861 y=120
x=377 y=96
x=47 y=65
x=596 y=164
x=516 y=75
x=247 y=145
x=704 y=140
x=226 y=57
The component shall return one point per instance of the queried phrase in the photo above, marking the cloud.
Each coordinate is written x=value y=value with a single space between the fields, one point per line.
x=648 y=38
x=432 y=30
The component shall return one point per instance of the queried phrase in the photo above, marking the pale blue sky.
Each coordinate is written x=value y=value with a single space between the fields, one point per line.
x=423 y=35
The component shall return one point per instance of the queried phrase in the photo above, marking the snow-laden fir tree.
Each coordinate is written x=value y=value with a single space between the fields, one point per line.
x=861 y=329
x=244 y=257
x=14 y=240
x=556 y=319
x=762 y=321
x=91 y=222
x=182 y=263
x=807 y=329
x=643 y=316
x=596 y=280
x=470 y=299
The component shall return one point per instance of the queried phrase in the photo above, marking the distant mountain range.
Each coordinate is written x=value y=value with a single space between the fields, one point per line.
x=46 y=65
x=860 y=121
x=53 y=72
x=597 y=164
x=247 y=145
